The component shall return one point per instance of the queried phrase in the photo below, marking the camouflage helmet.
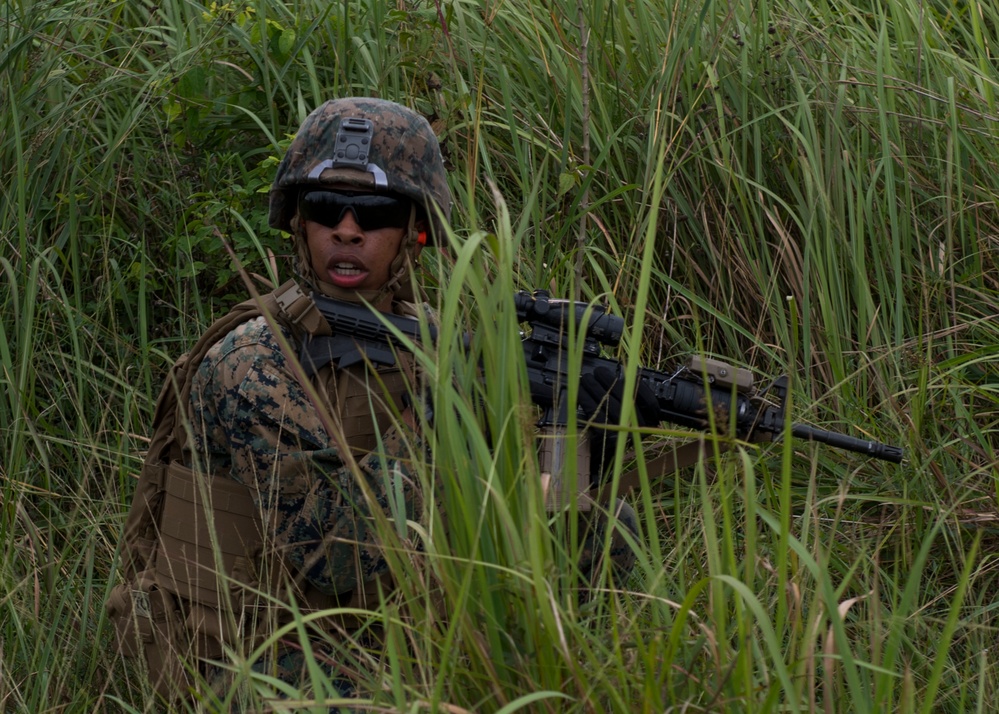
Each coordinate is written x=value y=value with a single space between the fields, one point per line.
x=368 y=143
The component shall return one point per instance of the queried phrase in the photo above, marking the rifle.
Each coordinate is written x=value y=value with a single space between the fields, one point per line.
x=696 y=395
x=693 y=395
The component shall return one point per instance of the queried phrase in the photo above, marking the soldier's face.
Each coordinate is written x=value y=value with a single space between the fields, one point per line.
x=351 y=258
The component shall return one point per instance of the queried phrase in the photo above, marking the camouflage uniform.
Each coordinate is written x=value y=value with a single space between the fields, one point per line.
x=255 y=423
x=252 y=418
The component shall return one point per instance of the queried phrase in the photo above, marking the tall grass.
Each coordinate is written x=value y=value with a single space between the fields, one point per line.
x=800 y=188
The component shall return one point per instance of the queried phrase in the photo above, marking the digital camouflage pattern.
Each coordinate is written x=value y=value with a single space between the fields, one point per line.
x=293 y=667
x=253 y=422
x=403 y=146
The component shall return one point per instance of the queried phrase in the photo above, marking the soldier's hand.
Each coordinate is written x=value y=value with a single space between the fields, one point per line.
x=601 y=393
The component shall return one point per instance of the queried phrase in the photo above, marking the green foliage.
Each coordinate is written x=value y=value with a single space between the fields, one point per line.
x=795 y=187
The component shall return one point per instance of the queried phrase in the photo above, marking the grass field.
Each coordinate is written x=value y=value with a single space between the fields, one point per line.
x=795 y=187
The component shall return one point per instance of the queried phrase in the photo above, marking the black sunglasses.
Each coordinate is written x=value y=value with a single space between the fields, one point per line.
x=371 y=210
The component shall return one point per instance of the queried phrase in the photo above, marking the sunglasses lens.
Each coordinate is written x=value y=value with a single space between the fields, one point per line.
x=372 y=211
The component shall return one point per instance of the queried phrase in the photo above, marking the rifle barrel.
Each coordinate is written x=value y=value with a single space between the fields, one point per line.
x=874 y=449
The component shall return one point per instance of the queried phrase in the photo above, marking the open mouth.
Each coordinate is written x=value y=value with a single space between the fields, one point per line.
x=347 y=269
x=347 y=274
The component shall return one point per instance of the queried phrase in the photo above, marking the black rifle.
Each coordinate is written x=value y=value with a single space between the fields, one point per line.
x=359 y=335
x=728 y=398
x=693 y=396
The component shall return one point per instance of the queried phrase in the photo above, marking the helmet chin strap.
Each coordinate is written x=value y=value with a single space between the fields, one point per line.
x=399 y=285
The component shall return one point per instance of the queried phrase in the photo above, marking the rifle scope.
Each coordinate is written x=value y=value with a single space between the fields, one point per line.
x=538 y=308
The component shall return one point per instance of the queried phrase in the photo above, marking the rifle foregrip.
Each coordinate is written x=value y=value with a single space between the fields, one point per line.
x=874 y=449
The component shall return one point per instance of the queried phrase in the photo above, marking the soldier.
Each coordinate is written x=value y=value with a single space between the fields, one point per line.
x=362 y=189
x=265 y=474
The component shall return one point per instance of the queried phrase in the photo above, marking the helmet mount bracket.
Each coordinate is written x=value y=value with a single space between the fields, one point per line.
x=351 y=148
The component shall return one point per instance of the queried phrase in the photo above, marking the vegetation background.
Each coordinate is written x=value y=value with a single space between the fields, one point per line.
x=798 y=187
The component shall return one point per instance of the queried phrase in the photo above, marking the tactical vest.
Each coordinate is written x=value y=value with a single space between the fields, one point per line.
x=193 y=578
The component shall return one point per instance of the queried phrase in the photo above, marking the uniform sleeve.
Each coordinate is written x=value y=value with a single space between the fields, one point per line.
x=252 y=417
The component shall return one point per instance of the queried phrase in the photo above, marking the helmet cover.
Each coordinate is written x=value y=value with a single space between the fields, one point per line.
x=367 y=143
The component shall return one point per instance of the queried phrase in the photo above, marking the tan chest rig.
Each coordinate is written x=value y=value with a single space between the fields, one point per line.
x=356 y=399
x=191 y=545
